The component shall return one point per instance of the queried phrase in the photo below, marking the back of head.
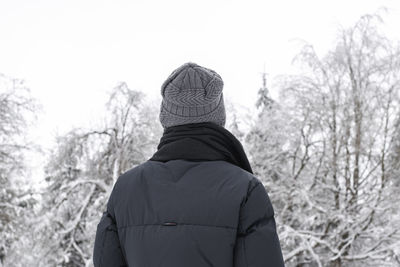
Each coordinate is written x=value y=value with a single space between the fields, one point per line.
x=192 y=94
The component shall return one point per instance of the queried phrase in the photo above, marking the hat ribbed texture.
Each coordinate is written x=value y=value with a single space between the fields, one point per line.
x=192 y=94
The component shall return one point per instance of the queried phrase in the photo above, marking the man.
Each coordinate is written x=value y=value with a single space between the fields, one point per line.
x=195 y=202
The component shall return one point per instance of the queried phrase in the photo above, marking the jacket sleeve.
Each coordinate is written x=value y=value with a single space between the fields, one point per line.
x=257 y=242
x=107 y=249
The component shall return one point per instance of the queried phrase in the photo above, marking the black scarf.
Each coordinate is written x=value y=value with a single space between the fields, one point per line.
x=199 y=142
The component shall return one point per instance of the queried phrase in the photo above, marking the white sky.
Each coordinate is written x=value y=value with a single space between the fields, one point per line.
x=71 y=53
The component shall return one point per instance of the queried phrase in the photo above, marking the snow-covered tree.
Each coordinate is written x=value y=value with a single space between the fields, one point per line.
x=81 y=172
x=17 y=109
x=344 y=106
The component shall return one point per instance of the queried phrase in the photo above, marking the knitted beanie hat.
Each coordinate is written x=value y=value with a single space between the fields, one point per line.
x=192 y=94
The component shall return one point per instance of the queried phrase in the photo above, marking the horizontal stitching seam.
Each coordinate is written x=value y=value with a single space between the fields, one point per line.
x=161 y=224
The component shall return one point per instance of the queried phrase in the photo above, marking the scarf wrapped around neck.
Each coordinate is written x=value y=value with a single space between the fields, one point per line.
x=205 y=141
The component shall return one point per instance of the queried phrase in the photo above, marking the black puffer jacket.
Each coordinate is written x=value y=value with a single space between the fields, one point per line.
x=182 y=213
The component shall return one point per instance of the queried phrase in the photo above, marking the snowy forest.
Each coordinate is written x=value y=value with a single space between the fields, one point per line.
x=327 y=151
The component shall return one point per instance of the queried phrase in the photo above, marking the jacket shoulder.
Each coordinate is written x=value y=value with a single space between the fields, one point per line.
x=247 y=178
x=132 y=173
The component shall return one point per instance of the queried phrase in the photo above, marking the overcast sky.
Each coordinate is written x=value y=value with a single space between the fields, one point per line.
x=70 y=53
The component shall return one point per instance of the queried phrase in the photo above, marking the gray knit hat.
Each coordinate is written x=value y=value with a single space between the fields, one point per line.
x=192 y=94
